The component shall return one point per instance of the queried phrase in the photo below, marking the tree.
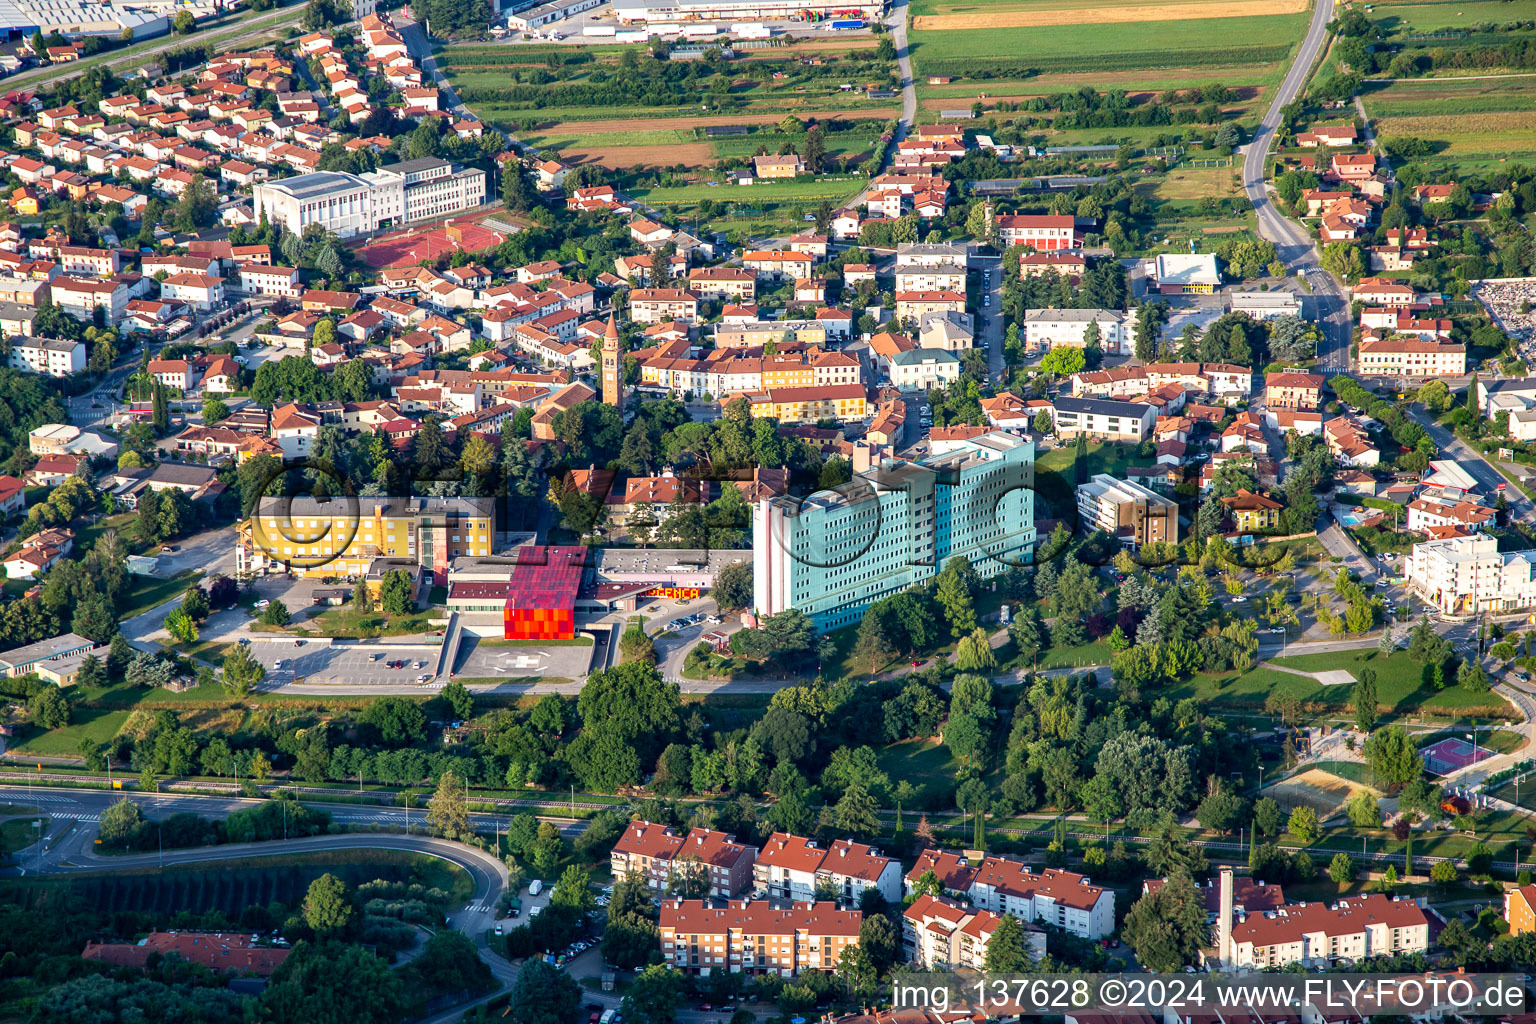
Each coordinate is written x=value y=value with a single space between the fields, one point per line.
x=327 y=906
x=396 y=592
x=120 y=823
x=1393 y=756
x=1366 y=702
x=214 y=410
x=1042 y=423
x=974 y=653
x=1303 y=825
x=1363 y=809
x=243 y=672
x=184 y=23
x=49 y=707
x=574 y=890
x=635 y=645
x=447 y=812
x=733 y=586
x=544 y=994
x=1266 y=816
x=1443 y=872
x=460 y=699
x=1167 y=927
x=855 y=812
x=654 y=995
x=1342 y=868
x=276 y=614
x=1007 y=951
x=181 y=626
x=1063 y=361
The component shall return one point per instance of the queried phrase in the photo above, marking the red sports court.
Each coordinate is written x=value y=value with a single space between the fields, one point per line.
x=1453 y=754
x=408 y=248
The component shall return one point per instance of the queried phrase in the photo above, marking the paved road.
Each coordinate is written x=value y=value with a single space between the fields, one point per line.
x=1294 y=245
x=1472 y=460
x=896 y=23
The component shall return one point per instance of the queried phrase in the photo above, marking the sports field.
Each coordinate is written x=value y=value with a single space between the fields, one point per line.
x=665 y=142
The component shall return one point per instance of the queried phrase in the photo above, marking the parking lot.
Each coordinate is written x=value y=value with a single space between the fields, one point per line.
x=349 y=662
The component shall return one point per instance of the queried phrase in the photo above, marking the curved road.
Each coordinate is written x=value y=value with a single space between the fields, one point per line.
x=74 y=851
x=1293 y=244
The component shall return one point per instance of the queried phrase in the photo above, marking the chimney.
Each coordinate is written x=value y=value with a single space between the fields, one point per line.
x=1224 y=950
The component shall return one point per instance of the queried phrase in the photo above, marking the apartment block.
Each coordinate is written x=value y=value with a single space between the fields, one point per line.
x=1045 y=329
x=1318 y=934
x=342 y=537
x=658 y=305
x=1097 y=417
x=753 y=937
x=1412 y=357
x=1004 y=886
x=1127 y=511
x=942 y=934
x=51 y=357
x=1293 y=390
x=710 y=862
x=1464 y=574
x=794 y=867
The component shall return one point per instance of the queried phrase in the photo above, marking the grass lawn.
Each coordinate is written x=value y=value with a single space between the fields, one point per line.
x=19 y=833
x=1095 y=653
x=149 y=592
x=926 y=764
x=1398 y=687
x=348 y=621
x=1088 y=47
x=1055 y=477
x=97 y=724
x=208 y=650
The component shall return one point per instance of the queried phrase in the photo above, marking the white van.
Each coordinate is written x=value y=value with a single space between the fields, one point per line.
x=535 y=887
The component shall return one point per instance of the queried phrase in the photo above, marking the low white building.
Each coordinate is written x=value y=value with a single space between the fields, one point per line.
x=794 y=867
x=1266 y=305
x=923 y=368
x=1004 y=886
x=261 y=280
x=199 y=291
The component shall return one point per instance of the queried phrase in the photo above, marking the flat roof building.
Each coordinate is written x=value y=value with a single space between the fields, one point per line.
x=355 y=204
x=1186 y=273
x=836 y=552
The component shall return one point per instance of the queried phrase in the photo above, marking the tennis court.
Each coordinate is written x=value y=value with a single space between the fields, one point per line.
x=1453 y=754
x=409 y=248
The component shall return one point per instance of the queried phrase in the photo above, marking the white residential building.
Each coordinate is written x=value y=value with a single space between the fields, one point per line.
x=1061 y=898
x=1045 y=329
x=942 y=934
x=793 y=867
x=52 y=357
x=1461 y=575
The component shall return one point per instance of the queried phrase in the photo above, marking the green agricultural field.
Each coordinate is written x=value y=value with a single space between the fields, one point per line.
x=1438 y=15
x=832 y=190
x=1428 y=97
x=1252 y=41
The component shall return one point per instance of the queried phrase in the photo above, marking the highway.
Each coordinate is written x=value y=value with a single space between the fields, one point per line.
x=1293 y=244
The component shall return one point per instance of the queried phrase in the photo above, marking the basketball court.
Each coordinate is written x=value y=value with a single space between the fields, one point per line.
x=1453 y=754
x=409 y=248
